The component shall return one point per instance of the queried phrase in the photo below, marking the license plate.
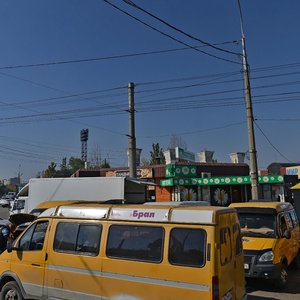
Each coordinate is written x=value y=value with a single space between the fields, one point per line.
x=246 y=266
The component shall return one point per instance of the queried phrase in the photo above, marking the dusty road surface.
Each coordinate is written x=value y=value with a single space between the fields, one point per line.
x=261 y=290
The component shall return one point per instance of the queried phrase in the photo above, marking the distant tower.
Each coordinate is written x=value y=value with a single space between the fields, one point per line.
x=84 y=136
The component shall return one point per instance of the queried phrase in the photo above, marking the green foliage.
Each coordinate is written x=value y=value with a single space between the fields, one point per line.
x=105 y=164
x=51 y=171
x=66 y=170
x=75 y=164
x=2 y=190
x=157 y=155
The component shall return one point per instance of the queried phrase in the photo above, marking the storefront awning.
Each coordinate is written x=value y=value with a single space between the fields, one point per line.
x=226 y=180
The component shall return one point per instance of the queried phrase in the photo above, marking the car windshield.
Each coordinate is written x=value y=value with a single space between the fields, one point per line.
x=19 y=204
x=258 y=225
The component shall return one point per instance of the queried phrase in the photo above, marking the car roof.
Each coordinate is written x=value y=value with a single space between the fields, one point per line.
x=141 y=213
x=278 y=206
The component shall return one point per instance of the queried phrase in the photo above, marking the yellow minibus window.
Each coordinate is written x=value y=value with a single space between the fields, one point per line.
x=237 y=238
x=289 y=220
x=282 y=224
x=254 y=224
x=33 y=239
x=226 y=249
x=88 y=238
x=294 y=218
x=143 y=243
x=187 y=247
x=73 y=237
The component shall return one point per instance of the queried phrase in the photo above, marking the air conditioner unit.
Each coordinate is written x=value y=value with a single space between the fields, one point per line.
x=205 y=174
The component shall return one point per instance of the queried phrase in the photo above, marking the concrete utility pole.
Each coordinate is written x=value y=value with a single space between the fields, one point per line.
x=250 y=120
x=131 y=135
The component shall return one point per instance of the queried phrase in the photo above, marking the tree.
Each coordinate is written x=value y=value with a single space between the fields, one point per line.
x=157 y=155
x=105 y=164
x=75 y=164
x=51 y=170
x=64 y=170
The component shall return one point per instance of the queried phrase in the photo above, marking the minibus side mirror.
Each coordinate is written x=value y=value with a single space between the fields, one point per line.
x=10 y=247
x=287 y=234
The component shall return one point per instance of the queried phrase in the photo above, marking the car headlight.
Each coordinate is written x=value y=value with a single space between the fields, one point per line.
x=267 y=256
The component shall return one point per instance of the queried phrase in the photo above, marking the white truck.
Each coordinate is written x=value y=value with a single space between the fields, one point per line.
x=79 y=188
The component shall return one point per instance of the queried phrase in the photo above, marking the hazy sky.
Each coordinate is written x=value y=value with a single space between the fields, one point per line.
x=197 y=95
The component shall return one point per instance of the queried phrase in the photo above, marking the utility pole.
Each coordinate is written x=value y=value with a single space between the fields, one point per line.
x=250 y=119
x=131 y=135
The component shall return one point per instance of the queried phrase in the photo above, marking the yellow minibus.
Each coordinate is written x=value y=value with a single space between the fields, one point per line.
x=127 y=252
x=271 y=239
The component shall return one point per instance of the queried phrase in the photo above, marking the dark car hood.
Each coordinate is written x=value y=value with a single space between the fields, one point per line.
x=21 y=218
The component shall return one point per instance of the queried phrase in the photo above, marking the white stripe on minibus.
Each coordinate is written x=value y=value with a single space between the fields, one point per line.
x=58 y=293
x=155 y=281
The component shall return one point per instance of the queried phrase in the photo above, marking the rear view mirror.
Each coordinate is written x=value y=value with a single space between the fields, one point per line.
x=10 y=247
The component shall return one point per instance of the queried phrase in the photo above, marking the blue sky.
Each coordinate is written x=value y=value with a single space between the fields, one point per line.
x=182 y=92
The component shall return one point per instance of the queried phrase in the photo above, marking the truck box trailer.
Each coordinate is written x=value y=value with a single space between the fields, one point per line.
x=80 y=188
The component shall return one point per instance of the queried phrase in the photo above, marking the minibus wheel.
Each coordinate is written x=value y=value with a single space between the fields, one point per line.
x=11 y=291
x=281 y=281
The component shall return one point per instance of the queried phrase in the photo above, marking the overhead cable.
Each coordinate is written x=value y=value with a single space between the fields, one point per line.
x=131 y=3
x=272 y=145
x=110 y=57
x=169 y=36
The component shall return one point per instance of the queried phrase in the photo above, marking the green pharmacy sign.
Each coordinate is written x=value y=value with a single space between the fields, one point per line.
x=180 y=171
x=227 y=180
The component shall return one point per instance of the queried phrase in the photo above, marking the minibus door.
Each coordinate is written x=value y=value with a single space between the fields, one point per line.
x=226 y=270
x=29 y=257
x=238 y=262
x=74 y=266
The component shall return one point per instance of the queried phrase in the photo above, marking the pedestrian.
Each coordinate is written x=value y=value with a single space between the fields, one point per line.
x=4 y=236
x=12 y=230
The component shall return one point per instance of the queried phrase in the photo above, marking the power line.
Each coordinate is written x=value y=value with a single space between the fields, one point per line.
x=166 y=89
x=279 y=119
x=151 y=105
x=169 y=36
x=272 y=145
x=217 y=75
x=197 y=131
x=131 y=3
x=110 y=57
x=213 y=82
x=253 y=70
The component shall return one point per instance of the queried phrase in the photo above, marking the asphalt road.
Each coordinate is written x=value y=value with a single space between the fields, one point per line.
x=262 y=290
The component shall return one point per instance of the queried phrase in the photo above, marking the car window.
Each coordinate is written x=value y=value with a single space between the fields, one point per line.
x=79 y=238
x=33 y=238
x=258 y=225
x=237 y=238
x=226 y=247
x=187 y=247
x=294 y=218
x=143 y=243
x=289 y=220
x=282 y=224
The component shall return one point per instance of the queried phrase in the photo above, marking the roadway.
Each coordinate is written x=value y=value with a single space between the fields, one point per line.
x=262 y=290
